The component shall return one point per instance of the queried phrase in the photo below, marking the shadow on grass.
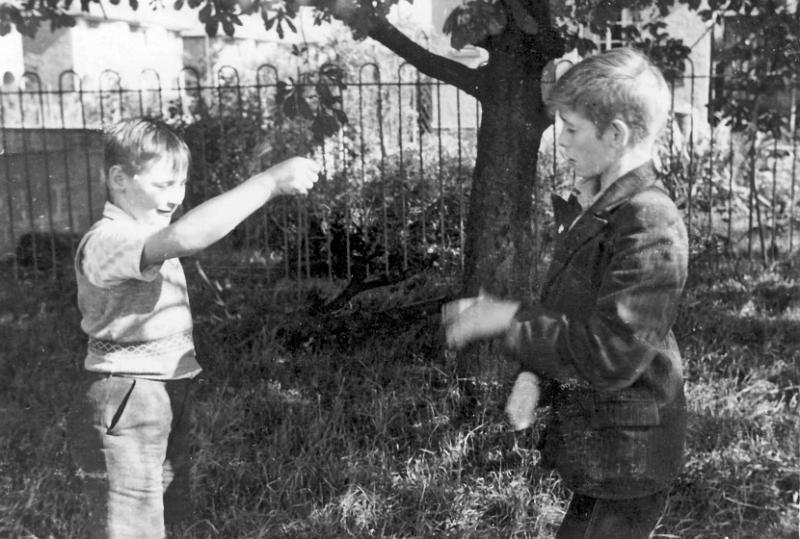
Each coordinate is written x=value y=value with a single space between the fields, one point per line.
x=40 y=365
x=357 y=424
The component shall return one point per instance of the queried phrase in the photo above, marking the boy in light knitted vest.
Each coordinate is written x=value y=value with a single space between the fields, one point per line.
x=129 y=429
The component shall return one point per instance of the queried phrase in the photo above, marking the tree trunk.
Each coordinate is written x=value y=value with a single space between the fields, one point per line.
x=501 y=247
x=501 y=244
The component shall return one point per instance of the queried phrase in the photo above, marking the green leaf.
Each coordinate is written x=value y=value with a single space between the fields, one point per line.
x=268 y=21
x=332 y=71
x=474 y=21
x=227 y=27
x=325 y=95
x=324 y=125
x=341 y=116
x=451 y=21
x=303 y=108
x=205 y=14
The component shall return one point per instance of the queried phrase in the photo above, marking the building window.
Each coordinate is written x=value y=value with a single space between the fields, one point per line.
x=615 y=35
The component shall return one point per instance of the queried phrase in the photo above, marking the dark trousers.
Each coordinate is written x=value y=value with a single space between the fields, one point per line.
x=593 y=518
x=129 y=438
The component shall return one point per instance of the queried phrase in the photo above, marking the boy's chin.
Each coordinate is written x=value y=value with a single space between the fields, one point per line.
x=157 y=220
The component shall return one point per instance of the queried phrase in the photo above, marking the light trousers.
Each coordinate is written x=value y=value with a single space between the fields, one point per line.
x=129 y=438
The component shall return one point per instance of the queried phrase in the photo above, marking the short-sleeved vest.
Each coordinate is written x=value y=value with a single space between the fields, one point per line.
x=137 y=327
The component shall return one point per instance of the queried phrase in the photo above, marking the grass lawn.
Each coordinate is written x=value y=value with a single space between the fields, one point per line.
x=358 y=424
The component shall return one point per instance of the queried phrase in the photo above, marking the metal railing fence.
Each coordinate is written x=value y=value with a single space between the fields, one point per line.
x=396 y=175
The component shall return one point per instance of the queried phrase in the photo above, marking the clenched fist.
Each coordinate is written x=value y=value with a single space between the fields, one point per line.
x=471 y=319
x=294 y=176
x=521 y=404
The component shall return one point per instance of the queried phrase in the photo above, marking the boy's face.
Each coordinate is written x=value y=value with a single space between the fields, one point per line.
x=152 y=195
x=589 y=152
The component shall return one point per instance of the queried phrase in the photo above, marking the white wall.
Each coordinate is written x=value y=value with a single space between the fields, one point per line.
x=127 y=49
x=682 y=23
x=11 y=55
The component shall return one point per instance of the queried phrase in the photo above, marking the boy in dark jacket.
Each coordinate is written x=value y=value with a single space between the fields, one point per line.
x=600 y=338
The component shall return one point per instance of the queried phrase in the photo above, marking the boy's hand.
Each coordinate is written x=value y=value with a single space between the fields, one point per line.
x=521 y=404
x=471 y=319
x=296 y=175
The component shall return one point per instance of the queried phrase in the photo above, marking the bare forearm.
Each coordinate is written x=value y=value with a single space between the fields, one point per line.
x=209 y=222
x=213 y=219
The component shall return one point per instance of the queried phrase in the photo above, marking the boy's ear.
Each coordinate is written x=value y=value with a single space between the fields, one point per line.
x=620 y=133
x=116 y=178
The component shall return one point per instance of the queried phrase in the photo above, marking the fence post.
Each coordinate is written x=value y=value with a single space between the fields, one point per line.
x=712 y=124
x=690 y=179
x=65 y=150
x=160 y=107
x=263 y=69
x=47 y=185
x=793 y=134
x=753 y=188
x=460 y=179
x=105 y=74
x=87 y=158
x=442 y=224
x=773 y=246
x=25 y=160
x=403 y=178
x=9 y=189
x=382 y=172
x=730 y=193
x=420 y=133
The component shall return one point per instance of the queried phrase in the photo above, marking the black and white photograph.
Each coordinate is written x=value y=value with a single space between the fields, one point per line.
x=400 y=269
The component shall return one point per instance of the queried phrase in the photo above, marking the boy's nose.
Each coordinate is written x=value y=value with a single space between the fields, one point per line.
x=176 y=195
x=173 y=201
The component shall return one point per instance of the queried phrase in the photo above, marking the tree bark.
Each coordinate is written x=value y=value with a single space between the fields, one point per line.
x=501 y=245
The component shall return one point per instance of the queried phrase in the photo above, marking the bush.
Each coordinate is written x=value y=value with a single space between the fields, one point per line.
x=371 y=214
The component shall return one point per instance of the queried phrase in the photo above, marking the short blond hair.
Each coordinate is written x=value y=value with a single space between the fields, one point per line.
x=132 y=144
x=618 y=84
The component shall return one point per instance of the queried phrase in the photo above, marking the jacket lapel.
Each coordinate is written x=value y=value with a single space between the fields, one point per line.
x=587 y=227
x=594 y=219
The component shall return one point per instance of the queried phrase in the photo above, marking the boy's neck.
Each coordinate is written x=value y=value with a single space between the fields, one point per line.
x=631 y=159
x=122 y=206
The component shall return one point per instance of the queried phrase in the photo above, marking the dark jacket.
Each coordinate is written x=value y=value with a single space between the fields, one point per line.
x=601 y=338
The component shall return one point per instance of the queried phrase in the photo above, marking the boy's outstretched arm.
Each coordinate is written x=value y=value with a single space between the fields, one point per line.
x=213 y=219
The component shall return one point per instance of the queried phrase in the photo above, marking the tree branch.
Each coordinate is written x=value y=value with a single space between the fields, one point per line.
x=433 y=65
x=523 y=19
